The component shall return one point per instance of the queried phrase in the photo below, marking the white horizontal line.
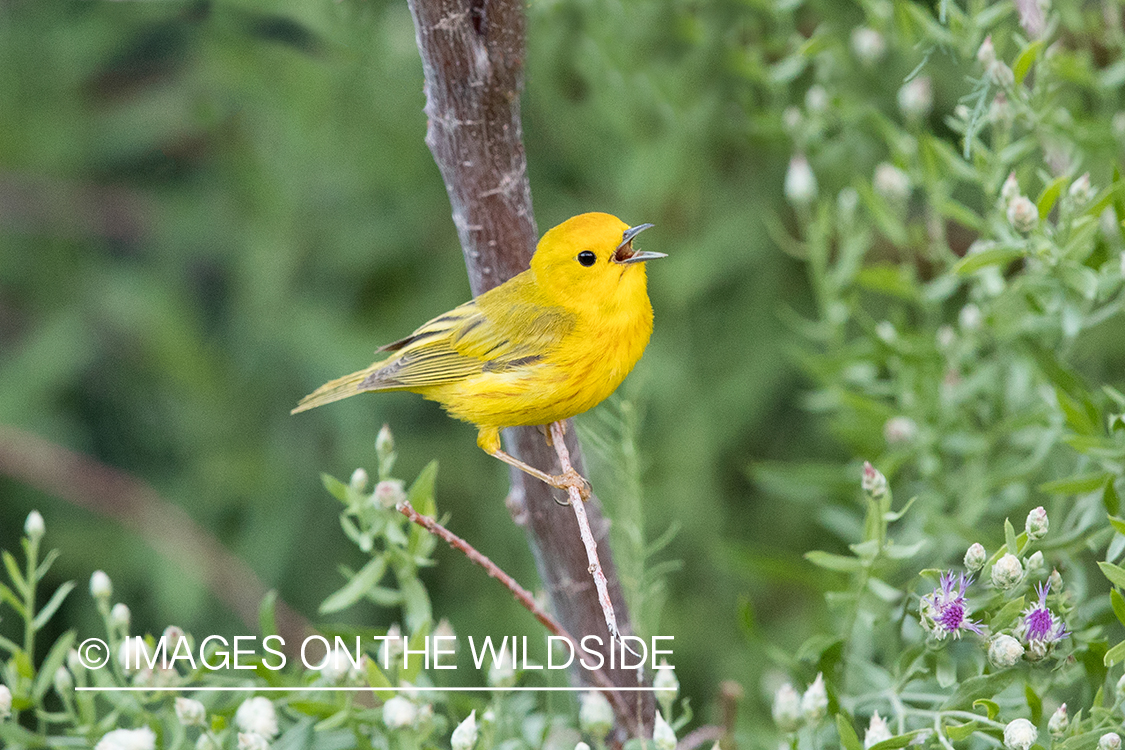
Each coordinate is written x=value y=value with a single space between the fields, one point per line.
x=322 y=688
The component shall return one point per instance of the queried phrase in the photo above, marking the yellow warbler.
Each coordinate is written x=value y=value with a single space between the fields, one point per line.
x=543 y=346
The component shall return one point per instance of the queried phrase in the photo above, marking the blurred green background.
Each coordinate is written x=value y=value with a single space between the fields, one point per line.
x=207 y=209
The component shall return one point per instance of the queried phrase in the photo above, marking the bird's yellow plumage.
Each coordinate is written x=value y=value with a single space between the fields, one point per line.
x=543 y=346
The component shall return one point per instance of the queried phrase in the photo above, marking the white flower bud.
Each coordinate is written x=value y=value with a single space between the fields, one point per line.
x=358 y=482
x=970 y=317
x=1020 y=734
x=1080 y=190
x=1110 y=741
x=665 y=685
x=502 y=671
x=120 y=616
x=1022 y=214
x=399 y=712
x=800 y=182
x=465 y=735
x=34 y=526
x=206 y=742
x=1119 y=690
x=1004 y=651
x=816 y=99
x=1117 y=124
x=886 y=332
x=847 y=201
x=975 y=557
x=814 y=703
x=100 y=586
x=389 y=493
x=252 y=741
x=128 y=739
x=1059 y=722
x=877 y=731
x=986 y=55
x=5 y=702
x=891 y=183
x=1035 y=563
x=946 y=336
x=1055 y=581
x=595 y=715
x=336 y=665
x=74 y=662
x=916 y=98
x=1001 y=74
x=787 y=708
x=1037 y=523
x=64 y=681
x=257 y=715
x=1007 y=572
x=1010 y=190
x=581 y=746
x=899 y=430
x=663 y=737
x=873 y=482
x=384 y=442
x=868 y=45
x=191 y=713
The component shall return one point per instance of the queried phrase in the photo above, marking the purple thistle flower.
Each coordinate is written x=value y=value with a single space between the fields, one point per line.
x=1039 y=623
x=945 y=612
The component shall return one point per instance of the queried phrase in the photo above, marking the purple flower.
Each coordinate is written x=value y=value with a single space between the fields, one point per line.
x=945 y=612
x=1039 y=623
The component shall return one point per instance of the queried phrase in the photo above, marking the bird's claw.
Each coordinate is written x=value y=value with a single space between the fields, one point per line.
x=571 y=478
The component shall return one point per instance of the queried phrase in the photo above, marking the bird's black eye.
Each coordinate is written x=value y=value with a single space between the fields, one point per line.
x=587 y=258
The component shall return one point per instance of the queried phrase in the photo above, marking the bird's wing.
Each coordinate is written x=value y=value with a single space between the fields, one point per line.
x=500 y=330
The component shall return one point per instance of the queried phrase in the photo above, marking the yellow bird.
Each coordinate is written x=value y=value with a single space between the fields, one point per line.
x=543 y=346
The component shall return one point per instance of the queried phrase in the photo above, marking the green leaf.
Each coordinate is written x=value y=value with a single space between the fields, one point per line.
x=267 y=614
x=902 y=740
x=993 y=256
x=335 y=487
x=1049 y=196
x=1010 y=538
x=975 y=688
x=812 y=649
x=52 y=605
x=1076 y=415
x=1117 y=523
x=1118 y=603
x=367 y=578
x=7 y=595
x=1007 y=614
x=1114 y=655
x=1110 y=499
x=962 y=731
x=1026 y=59
x=421 y=493
x=829 y=561
x=416 y=602
x=55 y=658
x=377 y=679
x=1115 y=574
x=848 y=738
x=991 y=706
x=1034 y=703
x=14 y=572
x=1077 y=485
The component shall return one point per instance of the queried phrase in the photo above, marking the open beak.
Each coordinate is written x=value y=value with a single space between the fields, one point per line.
x=625 y=253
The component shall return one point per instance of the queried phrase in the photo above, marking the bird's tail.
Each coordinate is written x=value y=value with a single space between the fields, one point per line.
x=334 y=390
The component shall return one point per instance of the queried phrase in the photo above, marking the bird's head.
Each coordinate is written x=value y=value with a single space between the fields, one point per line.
x=590 y=259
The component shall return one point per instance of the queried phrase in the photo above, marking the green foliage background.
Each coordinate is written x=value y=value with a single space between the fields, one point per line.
x=208 y=209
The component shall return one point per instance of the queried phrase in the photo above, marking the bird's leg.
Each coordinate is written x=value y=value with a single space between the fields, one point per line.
x=564 y=481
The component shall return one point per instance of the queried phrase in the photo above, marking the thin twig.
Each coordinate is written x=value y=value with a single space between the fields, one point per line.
x=558 y=438
x=522 y=595
x=704 y=734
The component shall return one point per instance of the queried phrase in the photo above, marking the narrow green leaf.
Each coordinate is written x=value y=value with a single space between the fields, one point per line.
x=1078 y=485
x=1026 y=59
x=377 y=679
x=1115 y=574
x=8 y=645
x=1110 y=499
x=7 y=595
x=1034 y=703
x=367 y=578
x=962 y=731
x=991 y=706
x=1010 y=538
x=335 y=487
x=14 y=573
x=1049 y=196
x=829 y=561
x=901 y=740
x=421 y=493
x=848 y=738
x=1115 y=655
x=55 y=658
x=1007 y=614
x=52 y=605
x=975 y=688
x=417 y=606
x=1117 y=523
x=267 y=614
x=1118 y=603
x=993 y=256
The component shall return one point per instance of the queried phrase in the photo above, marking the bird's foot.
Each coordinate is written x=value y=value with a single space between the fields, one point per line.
x=571 y=478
